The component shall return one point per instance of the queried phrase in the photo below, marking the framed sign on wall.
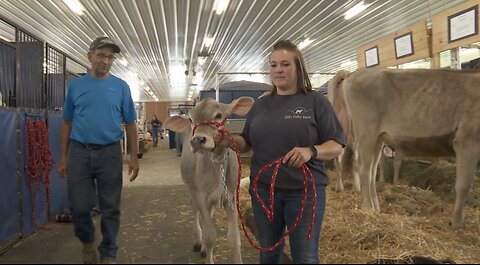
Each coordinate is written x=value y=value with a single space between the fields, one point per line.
x=463 y=24
x=404 y=45
x=371 y=57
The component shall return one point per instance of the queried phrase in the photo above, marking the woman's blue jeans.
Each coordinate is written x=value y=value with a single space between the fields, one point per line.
x=103 y=166
x=287 y=205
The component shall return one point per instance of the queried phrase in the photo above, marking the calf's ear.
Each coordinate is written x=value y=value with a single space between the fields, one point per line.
x=177 y=123
x=240 y=106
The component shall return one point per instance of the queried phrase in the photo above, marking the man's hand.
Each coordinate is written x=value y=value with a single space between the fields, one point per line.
x=62 y=168
x=133 y=168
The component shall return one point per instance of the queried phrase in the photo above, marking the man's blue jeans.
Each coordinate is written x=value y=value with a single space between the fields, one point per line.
x=85 y=167
x=287 y=205
x=155 y=131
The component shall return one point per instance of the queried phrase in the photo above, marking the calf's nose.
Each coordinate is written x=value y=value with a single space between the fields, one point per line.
x=198 y=142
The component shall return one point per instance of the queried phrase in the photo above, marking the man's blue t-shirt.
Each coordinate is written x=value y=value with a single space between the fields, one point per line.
x=97 y=108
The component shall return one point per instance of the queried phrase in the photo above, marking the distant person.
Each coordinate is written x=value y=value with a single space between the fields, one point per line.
x=91 y=155
x=156 y=129
x=179 y=137
x=178 y=143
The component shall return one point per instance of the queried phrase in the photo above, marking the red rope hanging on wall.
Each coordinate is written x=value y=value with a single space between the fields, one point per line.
x=38 y=164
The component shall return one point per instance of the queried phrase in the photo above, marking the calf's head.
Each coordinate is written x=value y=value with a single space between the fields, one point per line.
x=207 y=110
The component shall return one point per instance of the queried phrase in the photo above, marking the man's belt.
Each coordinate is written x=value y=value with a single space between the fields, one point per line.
x=92 y=146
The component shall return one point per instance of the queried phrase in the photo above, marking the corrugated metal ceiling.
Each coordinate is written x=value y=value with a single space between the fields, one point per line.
x=158 y=35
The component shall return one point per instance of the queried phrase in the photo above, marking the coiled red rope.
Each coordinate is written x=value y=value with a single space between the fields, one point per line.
x=268 y=210
x=38 y=164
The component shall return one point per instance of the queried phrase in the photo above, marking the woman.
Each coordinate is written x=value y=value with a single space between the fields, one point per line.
x=298 y=124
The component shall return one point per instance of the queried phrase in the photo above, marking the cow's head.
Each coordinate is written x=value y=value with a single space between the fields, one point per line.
x=208 y=110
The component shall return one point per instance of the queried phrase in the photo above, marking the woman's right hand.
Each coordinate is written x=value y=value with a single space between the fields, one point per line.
x=221 y=139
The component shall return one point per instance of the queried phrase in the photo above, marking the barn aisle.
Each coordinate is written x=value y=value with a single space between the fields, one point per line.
x=156 y=224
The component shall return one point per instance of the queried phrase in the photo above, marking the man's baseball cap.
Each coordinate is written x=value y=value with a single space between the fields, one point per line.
x=102 y=42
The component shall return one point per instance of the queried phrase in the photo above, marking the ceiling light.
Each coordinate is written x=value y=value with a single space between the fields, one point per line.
x=220 y=6
x=7 y=39
x=198 y=79
x=304 y=43
x=75 y=6
x=355 y=10
x=208 y=42
x=201 y=60
x=347 y=63
x=123 y=61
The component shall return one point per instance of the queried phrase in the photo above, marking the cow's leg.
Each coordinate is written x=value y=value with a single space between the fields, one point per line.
x=233 y=233
x=377 y=153
x=467 y=158
x=356 y=171
x=381 y=168
x=397 y=163
x=197 y=231
x=369 y=153
x=339 y=185
x=209 y=234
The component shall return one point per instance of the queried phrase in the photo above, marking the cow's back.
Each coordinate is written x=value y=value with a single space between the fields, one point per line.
x=415 y=111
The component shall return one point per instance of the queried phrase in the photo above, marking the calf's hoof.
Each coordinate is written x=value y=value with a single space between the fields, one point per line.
x=197 y=247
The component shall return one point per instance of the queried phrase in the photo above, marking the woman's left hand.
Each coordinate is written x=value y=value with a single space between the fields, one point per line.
x=297 y=156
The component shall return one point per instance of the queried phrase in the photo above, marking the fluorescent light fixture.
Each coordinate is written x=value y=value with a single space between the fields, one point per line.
x=347 y=63
x=355 y=10
x=6 y=38
x=220 y=6
x=75 y=6
x=202 y=60
x=198 y=78
x=208 y=42
x=123 y=61
x=304 y=43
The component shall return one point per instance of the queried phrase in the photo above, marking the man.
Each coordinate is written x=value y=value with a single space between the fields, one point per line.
x=91 y=157
x=156 y=124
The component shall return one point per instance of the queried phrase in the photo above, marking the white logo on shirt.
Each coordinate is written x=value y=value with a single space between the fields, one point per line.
x=299 y=113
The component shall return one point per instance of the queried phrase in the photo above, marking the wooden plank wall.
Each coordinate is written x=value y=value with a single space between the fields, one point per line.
x=160 y=109
x=386 y=46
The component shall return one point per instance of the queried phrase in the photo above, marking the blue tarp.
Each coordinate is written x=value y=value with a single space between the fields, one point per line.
x=11 y=196
x=9 y=201
x=58 y=186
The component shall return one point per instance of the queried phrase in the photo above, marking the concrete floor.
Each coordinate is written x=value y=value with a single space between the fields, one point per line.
x=156 y=223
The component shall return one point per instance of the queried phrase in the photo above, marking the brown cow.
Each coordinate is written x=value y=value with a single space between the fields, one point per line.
x=345 y=163
x=419 y=113
x=210 y=172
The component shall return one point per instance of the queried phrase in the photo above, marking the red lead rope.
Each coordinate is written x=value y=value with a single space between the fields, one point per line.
x=268 y=210
x=39 y=163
